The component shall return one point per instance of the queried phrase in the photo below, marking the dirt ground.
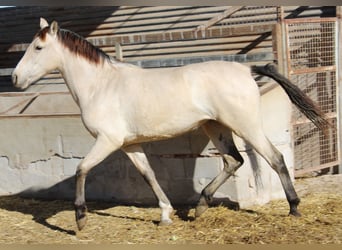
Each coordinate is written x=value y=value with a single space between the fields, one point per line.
x=33 y=221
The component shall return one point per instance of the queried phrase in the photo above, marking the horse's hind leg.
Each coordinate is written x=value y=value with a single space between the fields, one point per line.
x=139 y=159
x=222 y=138
x=264 y=147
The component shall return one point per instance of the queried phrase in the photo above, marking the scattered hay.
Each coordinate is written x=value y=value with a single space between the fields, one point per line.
x=33 y=221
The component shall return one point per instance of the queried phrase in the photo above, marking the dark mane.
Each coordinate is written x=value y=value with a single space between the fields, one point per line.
x=81 y=46
x=77 y=45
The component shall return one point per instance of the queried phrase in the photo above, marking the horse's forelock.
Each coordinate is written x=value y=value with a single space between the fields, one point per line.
x=42 y=33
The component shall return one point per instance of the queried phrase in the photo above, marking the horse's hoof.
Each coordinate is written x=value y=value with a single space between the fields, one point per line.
x=81 y=216
x=200 y=209
x=165 y=222
x=295 y=213
x=81 y=222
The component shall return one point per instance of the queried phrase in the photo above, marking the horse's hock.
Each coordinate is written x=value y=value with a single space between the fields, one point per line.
x=41 y=159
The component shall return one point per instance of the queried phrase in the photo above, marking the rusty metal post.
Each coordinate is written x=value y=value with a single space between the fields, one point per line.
x=281 y=41
x=339 y=83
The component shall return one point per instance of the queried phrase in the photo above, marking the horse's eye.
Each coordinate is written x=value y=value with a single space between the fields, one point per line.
x=38 y=48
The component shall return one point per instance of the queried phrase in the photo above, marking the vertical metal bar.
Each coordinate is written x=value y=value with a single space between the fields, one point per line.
x=118 y=52
x=283 y=60
x=287 y=52
x=338 y=42
x=277 y=42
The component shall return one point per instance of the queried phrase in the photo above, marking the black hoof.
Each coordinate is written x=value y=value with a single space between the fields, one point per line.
x=81 y=222
x=81 y=216
x=293 y=208
x=295 y=213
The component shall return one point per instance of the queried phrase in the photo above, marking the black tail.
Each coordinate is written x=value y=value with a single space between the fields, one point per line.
x=296 y=95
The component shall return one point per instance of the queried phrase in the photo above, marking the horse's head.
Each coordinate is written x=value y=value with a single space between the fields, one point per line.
x=40 y=57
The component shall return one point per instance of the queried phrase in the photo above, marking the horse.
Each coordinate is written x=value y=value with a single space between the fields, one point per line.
x=123 y=106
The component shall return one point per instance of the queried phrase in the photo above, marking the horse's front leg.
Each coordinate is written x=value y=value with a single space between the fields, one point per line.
x=102 y=148
x=139 y=159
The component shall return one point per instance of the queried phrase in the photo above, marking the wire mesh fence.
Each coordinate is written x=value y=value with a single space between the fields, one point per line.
x=311 y=48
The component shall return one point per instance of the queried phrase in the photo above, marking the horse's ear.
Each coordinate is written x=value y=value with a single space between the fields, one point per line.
x=54 y=28
x=43 y=23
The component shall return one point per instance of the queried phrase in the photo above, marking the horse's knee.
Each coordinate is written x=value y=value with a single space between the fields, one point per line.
x=232 y=164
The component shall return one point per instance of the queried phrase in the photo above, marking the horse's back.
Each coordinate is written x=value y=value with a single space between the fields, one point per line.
x=227 y=92
x=222 y=82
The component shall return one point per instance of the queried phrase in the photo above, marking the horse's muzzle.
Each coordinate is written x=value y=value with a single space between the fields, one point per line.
x=16 y=82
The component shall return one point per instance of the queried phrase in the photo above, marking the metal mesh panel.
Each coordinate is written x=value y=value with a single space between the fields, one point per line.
x=313 y=149
x=321 y=87
x=312 y=67
x=312 y=44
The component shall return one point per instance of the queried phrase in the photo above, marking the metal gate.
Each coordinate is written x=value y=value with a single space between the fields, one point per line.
x=311 y=65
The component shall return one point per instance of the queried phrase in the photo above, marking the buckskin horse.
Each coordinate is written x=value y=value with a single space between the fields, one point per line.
x=123 y=105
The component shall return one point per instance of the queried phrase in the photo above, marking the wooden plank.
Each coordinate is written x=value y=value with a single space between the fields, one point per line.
x=138 y=29
x=14 y=94
x=182 y=35
x=224 y=48
x=118 y=16
x=115 y=17
x=255 y=59
x=312 y=70
x=227 y=13
x=199 y=42
x=301 y=172
x=188 y=48
x=6 y=72
x=46 y=115
x=311 y=20
x=197 y=54
x=154 y=18
x=168 y=36
x=305 y=120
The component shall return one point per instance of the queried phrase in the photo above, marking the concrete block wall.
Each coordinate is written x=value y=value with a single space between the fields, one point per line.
x=39 y=156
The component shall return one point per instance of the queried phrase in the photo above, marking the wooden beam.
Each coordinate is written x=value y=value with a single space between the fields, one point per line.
x=302 y=172
x=171 y=36
x=227 y=13
x=6 y=72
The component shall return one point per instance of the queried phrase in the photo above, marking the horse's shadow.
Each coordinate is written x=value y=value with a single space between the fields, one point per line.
x=43 y=209
x=47 y=203
x=40 y=212
x=113 y=184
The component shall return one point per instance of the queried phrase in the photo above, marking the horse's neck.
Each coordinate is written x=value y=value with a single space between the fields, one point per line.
x=81 y=77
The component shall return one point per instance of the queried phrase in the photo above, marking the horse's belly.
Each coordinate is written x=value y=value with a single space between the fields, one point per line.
x=164 y=130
